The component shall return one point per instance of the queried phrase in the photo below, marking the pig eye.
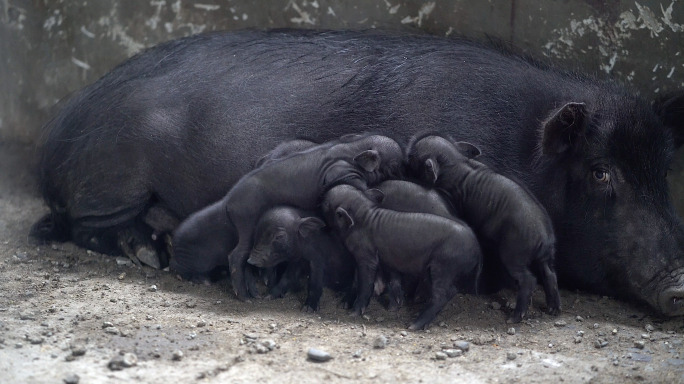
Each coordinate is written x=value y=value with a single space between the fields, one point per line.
x=279 y=237
x=601 y=175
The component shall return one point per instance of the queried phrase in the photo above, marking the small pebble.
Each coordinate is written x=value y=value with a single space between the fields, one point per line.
x=357 y=354
x=579 y=318
x=614 y=331
x=639 y=344
x=600 y=343
x=191 y=303
x=260 y=348
x=580 y=333
x=123 y=261
x=496 y=306
x=250 y=336
x=270 y=344
x=35 y=340
x=107 y=324
x=442 y=324
x=119 y=362
x=18 y=345
x=112 y=330
x=440 y=356
x=78 y=350
x=560 y=323
x=462 y=345
x=317 y=355
x=595 y=325
x=511 y=355
x=380 y=342
x=177 y=355
x=71 y=378
x=152 y=288
x=201 y=323
x=649 y=328
x=645 y=336
x=453 y=352
x=122 y=276
x=403 y=333
x=27 y=316
x=578 y=339
x=511 y=331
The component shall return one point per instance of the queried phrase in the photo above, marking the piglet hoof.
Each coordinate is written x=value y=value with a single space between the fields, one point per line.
x=515 y=319
x=309 y=308
x=554 y=311
x=418 y=326
x=393 y=306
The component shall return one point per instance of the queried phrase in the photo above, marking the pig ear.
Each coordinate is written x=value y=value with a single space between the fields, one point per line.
x=309 y=225
x=375 y=194
x=468 y=150
x=670 y=109
x=343 y=218
x=431 y=170
x=368 y=160
x=562 y=129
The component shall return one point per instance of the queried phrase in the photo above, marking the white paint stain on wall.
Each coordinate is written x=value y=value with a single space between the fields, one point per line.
x=80 y=64
x=304 y=16
x=207 y=7
x=153 y=21
x=611 y=37
x=115 y=31
x=423 y=13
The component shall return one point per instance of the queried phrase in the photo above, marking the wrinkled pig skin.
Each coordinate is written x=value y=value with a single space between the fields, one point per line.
x=411 y=243
x=181 y=122
x=293 y=236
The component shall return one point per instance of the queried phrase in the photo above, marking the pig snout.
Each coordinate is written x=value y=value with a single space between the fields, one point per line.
x=668 y=293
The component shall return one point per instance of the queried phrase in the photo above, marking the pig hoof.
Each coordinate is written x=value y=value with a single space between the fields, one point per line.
x=309 y=308
x=514 y=319
x=554 y=311
x=148 y=257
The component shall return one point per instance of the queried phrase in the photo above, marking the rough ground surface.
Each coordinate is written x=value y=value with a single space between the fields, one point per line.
x=65 y=311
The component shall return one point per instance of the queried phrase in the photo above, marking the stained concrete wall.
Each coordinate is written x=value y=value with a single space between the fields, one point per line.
x=50 y=48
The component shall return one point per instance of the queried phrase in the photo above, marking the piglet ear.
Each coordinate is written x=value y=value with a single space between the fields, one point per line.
x=368 y=160
x=468 y=150
x=563 y=128
x=344 y=220
x=670 y=109
x=431 y=170
x=375 y=194
x=309 y=225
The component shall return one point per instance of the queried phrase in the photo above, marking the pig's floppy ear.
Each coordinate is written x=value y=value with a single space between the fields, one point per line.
x=309 y=225
x=468 y=150
x=343 y=219
x=563 y=128
x=375 y=194
x=431 y=170
x=670 y=109
x=368 y=160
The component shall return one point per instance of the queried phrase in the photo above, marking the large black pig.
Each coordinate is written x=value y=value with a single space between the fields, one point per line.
x=180 y=123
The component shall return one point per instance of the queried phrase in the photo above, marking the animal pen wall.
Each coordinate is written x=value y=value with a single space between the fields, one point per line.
x=52 y=48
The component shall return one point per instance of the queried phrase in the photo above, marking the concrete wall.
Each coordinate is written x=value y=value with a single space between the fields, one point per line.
x=50 y=48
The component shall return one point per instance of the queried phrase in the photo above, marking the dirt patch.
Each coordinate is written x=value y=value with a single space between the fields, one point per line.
x=65 y=311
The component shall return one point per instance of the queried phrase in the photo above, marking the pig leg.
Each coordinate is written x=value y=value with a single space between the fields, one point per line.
x=289 y=277
x=237 y=262
x=550 y=284
x=394 y=291
x=367 y=265
x=315 y=289
x=526 y=283
x=443 y=270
